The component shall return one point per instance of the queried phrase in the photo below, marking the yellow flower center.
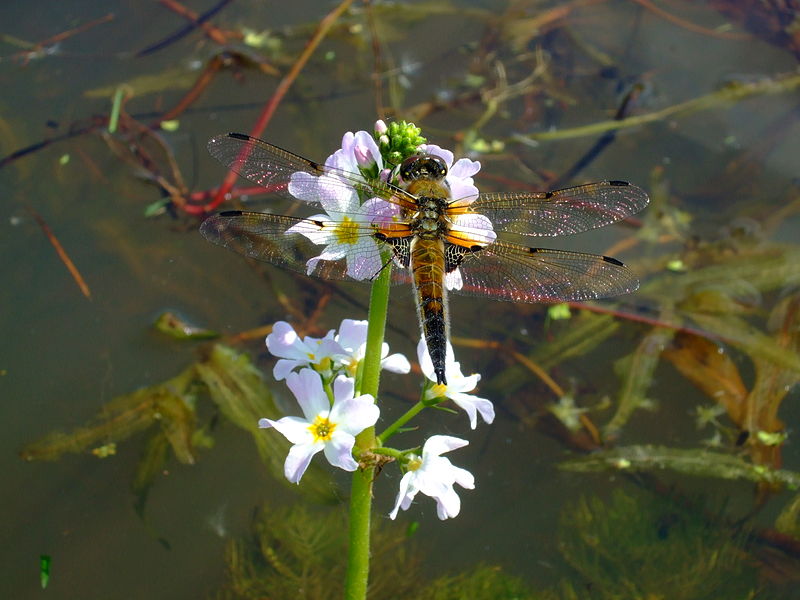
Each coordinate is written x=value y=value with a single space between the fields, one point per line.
x=346 y=232
x=414 y=464
x=352 y=367
x=322 y=429
x=438 y=390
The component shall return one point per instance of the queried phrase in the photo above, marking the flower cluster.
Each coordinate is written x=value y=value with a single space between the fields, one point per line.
x=356 y=202
x=320 y=374
x=355 y=188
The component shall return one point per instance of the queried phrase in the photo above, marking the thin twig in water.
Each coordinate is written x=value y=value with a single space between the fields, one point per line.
x=62 y=254
x=266 y=114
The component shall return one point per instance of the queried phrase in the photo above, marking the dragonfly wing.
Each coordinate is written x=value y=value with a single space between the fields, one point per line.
x=287 y=242
x=561 y=212
x=506 y=271
x=272 y=168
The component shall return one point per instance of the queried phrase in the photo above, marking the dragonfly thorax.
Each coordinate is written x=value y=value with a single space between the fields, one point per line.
x=430 y=220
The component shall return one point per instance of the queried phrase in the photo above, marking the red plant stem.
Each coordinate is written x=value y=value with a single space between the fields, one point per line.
x=266 y=114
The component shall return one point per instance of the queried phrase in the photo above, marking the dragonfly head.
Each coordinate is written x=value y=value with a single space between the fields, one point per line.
x=422 y=166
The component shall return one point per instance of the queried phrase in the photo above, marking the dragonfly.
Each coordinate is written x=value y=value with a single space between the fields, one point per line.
x=436 y=242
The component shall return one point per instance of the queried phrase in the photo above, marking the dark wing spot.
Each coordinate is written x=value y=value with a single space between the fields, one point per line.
x=475 y=248
x=380 y=236
x=533 y=250
x=620 y=183
x=230 y=213
x=239 y=136
x=319 y=224
x=613 y=261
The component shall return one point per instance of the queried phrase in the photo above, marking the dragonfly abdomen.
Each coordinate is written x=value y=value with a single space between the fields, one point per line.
x=428 y=271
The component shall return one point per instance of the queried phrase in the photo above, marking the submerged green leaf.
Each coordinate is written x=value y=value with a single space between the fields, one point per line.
x=704 y=463
x=238 y=390
x=174 y=326
x=636 y=371
x=171 y=404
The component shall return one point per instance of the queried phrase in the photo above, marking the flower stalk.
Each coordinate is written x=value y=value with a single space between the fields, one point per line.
x=357 y=576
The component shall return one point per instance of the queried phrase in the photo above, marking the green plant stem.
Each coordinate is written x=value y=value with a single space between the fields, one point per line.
x=392 y=429
x=729 y=94
x=357 y=577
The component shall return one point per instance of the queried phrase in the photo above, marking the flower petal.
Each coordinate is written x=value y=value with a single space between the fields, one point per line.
x=293 y=429
x=298 y=459
x=448 y=505
x=405 y=495
x=453 y=280
x=303 y=186
x=284 y=342
x=352 y=334
x=317 y=228
x=464 y=168
x=470 y=404
x=339 y=450
x=283 y=367
x=354 y=415
x=442 y=153
x=439 y=444
x=307 y=388
x=396 y=363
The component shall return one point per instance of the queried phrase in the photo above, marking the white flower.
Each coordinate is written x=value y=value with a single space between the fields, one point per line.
x=353 y=338
x=434 y=476
x=456 y=387
x=331 y=429
x=342 y=232
x=284 y=343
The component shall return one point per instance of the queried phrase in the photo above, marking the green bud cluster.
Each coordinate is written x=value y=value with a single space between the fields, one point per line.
x=398 y=140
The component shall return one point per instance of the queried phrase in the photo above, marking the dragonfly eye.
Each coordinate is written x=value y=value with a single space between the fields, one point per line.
x=422 y=166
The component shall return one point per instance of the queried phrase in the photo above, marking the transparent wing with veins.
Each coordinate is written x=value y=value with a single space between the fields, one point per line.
x=272 y=168
x=561 y=212
x=499 y=270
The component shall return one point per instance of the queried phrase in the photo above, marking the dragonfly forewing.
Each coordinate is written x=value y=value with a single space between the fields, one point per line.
x=561 y=212
x=275 y=169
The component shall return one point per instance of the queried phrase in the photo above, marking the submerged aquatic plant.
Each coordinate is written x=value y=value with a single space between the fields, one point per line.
x=635 y=546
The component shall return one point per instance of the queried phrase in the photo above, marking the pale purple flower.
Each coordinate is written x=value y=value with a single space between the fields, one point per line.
x=434 y=476
x=354 y=145
x=352 y=337
x=331 y=429
x=284 y=343
x=342 y=230
x=456 y=387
